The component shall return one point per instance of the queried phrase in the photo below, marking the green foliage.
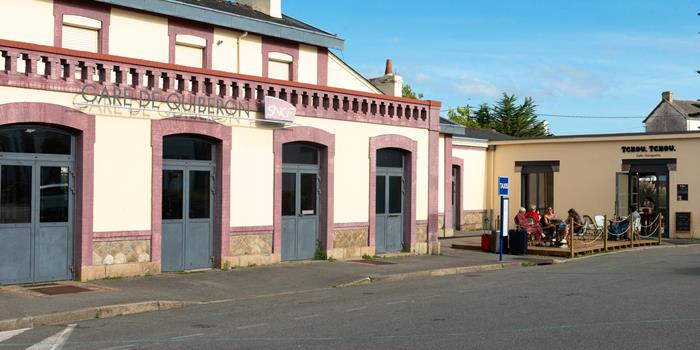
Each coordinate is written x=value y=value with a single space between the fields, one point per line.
x=505 y=116
x=462 y=115
x=518 y=120
x=407 y=92
x=320 y=253
x=366 y=257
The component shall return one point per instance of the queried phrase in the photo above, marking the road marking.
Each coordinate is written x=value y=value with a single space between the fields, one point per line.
x=306 y=317
x=56 y=341
x=356 y=309
x=119 y=347
x=253 y=326
x=397 y=302
x=9 y=334
x=188 y=336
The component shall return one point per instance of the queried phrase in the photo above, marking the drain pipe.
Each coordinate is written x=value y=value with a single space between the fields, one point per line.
x=238 y=51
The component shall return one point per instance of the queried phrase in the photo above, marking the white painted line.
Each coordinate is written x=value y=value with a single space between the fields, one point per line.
x=397 y=302
x=306 y=317
x=356 y=309
x=9 y=334
x=187 y=336
x=56 y=341
x=119 y=347
x=253 y=326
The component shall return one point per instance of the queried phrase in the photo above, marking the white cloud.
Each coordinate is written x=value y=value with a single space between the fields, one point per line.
x=476 y=87
x=423 y=77
x=570 y=81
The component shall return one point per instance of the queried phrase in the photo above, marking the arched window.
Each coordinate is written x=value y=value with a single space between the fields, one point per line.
x=34 y=139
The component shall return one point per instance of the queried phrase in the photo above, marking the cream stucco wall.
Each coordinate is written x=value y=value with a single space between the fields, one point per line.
x=251 y=55
x=252 y=176
x=308 y=64
x=586 y=177
x=341 y=76
x=28 y=21
x=122 y=193
x=352 y=165
x=135 y=34
x=224 y=55
x=474 y=175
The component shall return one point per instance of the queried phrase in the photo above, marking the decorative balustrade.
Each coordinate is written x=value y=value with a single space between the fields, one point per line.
x=56 y=69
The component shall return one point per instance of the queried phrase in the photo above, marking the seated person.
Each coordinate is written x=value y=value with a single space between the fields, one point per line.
x=529 y=226
x=578 y=224
x=533 y=213
x=549 y=223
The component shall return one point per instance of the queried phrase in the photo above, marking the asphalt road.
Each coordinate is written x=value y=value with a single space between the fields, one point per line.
x=632 y=300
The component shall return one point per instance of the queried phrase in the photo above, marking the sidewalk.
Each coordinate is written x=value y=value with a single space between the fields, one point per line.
x=237 y=284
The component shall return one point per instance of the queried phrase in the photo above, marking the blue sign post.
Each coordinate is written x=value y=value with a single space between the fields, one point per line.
x=503 y=193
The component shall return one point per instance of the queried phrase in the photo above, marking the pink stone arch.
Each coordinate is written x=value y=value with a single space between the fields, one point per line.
x=326 y=143
x=410 y=147
x=222 y=198
x=83 y=127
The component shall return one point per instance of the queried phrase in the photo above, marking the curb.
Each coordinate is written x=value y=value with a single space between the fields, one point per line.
x=445 y=271
x=106 y=311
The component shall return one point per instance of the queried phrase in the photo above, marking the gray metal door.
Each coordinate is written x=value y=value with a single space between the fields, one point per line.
x=187 y=228
x=36 y=219
x=389 y=210
x=456 y=198
x=300 y=198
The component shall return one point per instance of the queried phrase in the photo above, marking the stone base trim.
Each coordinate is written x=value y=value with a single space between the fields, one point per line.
x=473 y=220
x=250 y=230
x=350 y=252
x=121 y=251
x=89 y=273
x=250 y=244
x=112 y=236
x=250 y=260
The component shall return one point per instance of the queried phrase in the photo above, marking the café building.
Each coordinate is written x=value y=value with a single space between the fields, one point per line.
x=602 y=175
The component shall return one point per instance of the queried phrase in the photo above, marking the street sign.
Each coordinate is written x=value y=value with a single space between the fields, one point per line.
x=503 y=185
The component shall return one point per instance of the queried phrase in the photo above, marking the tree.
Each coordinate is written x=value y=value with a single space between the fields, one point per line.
x=462 y=115
x=518 y=120
x=407 y=91
x=505 y=116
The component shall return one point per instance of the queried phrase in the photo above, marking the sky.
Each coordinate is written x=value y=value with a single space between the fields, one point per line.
x=577 y=58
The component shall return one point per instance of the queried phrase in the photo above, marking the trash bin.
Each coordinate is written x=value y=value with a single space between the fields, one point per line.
x=518 y=242
x=495 y=242
x=486 y=242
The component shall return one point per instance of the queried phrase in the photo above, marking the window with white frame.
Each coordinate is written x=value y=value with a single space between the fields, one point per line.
x=279 y=66
x=189 y=50
x=81 y=33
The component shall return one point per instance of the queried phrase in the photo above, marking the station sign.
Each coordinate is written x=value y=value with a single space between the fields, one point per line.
x=279 y=110
x=503 y=185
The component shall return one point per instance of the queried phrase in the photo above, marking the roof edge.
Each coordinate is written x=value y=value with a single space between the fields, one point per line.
x=220 y=18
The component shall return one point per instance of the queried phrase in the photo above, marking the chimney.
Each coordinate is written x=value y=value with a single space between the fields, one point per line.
x=667 y=96
x=272 y=8
x=389 y=84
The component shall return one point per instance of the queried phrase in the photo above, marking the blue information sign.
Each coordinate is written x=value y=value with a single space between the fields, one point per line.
x=503 y=185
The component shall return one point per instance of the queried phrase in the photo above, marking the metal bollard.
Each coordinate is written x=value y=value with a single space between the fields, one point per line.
x=571 y=238
x=605 y=233
x=660 y=225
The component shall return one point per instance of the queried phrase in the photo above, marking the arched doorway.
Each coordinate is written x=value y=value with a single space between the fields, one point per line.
x=390 y=199
x=301 y=189
x=37 y=201
x=189 y=169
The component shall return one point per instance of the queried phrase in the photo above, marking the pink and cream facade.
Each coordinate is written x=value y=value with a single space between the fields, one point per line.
x=135 y=141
